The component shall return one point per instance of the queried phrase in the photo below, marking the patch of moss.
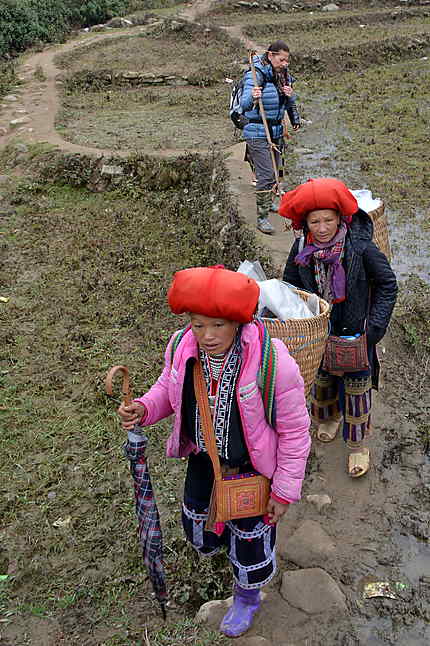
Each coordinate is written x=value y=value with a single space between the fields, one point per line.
x=386 y=110
x=86 y=281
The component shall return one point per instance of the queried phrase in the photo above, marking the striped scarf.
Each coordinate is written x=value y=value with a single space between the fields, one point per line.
x=329 y=273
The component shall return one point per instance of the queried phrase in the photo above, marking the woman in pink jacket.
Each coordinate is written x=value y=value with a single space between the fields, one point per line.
x=224 y=338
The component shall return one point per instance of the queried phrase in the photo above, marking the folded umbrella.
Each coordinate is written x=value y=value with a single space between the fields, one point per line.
x=148 y=518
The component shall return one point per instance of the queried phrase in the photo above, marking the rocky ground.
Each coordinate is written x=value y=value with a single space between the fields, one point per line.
x=354 y=556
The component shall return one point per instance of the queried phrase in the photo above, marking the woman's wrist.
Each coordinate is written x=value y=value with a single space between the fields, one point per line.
x=143 y=413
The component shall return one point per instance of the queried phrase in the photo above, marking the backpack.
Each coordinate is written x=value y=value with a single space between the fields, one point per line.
x=236 y=110
x=266 y=375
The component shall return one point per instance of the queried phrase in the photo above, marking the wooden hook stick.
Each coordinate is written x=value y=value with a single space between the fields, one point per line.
x=125 y=388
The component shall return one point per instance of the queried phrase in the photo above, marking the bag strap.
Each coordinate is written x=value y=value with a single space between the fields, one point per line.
x=262 y=84
x=206 y=419
x=176 y=341
x=268 y=367
x=301 y=243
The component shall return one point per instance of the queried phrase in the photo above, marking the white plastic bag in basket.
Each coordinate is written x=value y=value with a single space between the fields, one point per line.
x=252 y=269
x=366 y=201
x=282 y=301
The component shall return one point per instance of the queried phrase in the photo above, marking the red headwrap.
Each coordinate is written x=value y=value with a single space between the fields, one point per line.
x=214 y=292
x=315 y=194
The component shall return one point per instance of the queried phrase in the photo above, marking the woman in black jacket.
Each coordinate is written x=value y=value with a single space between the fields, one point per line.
x=336 y=259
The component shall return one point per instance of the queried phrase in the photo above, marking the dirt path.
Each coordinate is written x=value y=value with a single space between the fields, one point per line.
x=196 y=9
x=39 y=101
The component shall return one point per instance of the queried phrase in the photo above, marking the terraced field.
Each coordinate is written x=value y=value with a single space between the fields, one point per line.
x=87 y=259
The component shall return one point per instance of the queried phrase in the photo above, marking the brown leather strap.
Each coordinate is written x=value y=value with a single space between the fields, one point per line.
x=126 y=393
x=206 y=419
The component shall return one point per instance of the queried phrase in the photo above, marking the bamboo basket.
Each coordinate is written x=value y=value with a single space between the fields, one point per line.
x=380 y=230
x=305 y=339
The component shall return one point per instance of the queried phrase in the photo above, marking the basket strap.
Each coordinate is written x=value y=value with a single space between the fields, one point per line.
x=176 y=341
x=269 y=364
x=206 y=419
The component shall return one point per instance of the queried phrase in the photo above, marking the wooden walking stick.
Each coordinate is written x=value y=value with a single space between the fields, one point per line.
x=125 y=389
x=272 y=146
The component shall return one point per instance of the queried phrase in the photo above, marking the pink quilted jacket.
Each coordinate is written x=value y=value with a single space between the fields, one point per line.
x=279 y=454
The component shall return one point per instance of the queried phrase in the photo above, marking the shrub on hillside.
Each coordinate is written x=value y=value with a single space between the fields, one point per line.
x=26 y=22
x=137 y=5
x=7 y=77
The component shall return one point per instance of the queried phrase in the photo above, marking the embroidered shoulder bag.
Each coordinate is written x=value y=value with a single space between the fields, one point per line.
x=345 y=354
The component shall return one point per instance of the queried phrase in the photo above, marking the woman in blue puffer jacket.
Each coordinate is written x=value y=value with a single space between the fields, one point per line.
x=275 y=90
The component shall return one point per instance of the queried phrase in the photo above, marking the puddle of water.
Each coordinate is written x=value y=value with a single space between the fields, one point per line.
x=415 y=557
x=380 y=632
x=374 y=632
x=410 y=252
x=418 y=635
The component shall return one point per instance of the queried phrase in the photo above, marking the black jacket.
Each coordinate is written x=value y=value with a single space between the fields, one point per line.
x=368 y=274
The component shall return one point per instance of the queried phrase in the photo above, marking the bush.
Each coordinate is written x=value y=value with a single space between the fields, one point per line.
x=7 y=76
x=26 y=22
x=138 y=5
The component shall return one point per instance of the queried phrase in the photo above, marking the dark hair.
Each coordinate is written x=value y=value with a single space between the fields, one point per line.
x=278 y=46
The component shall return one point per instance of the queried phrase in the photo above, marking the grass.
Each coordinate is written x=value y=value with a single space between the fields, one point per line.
x=340 y=35
x=86 y=280
x=196 y=117
x=311 y=20
x=188 y=632
x=8 y=77
x=193 y=117
x=167 y=52
x=386 y=110
x=39 y=74
x=172 y=9
x=150 y=5
x=414 y=319
x=86 y=275
x=182 y=117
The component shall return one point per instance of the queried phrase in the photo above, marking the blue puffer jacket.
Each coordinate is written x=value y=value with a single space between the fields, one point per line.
x=274 y=104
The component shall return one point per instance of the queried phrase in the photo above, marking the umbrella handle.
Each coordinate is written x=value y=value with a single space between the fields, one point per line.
x=125 y=388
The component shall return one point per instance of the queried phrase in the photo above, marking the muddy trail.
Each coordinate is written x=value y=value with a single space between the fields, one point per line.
x=359 y=549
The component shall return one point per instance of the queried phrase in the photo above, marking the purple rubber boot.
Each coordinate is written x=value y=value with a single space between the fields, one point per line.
x=238 y=618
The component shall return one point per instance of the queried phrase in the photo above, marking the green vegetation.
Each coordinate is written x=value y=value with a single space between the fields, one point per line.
x=86 y=280
x=117 y=117
x=8 y=76
x=39 y=74
x=135 y=5
x=318 y=34
x=303 y=21
x=25 y=22
x=183 y=50
x=413 y=318
x=386 y=110
x=139 y=119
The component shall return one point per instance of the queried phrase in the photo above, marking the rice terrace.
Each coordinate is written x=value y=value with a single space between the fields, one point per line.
x=119 y=165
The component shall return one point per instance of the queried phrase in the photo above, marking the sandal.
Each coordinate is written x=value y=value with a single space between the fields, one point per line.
x=327 y=431
x=359 y=463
